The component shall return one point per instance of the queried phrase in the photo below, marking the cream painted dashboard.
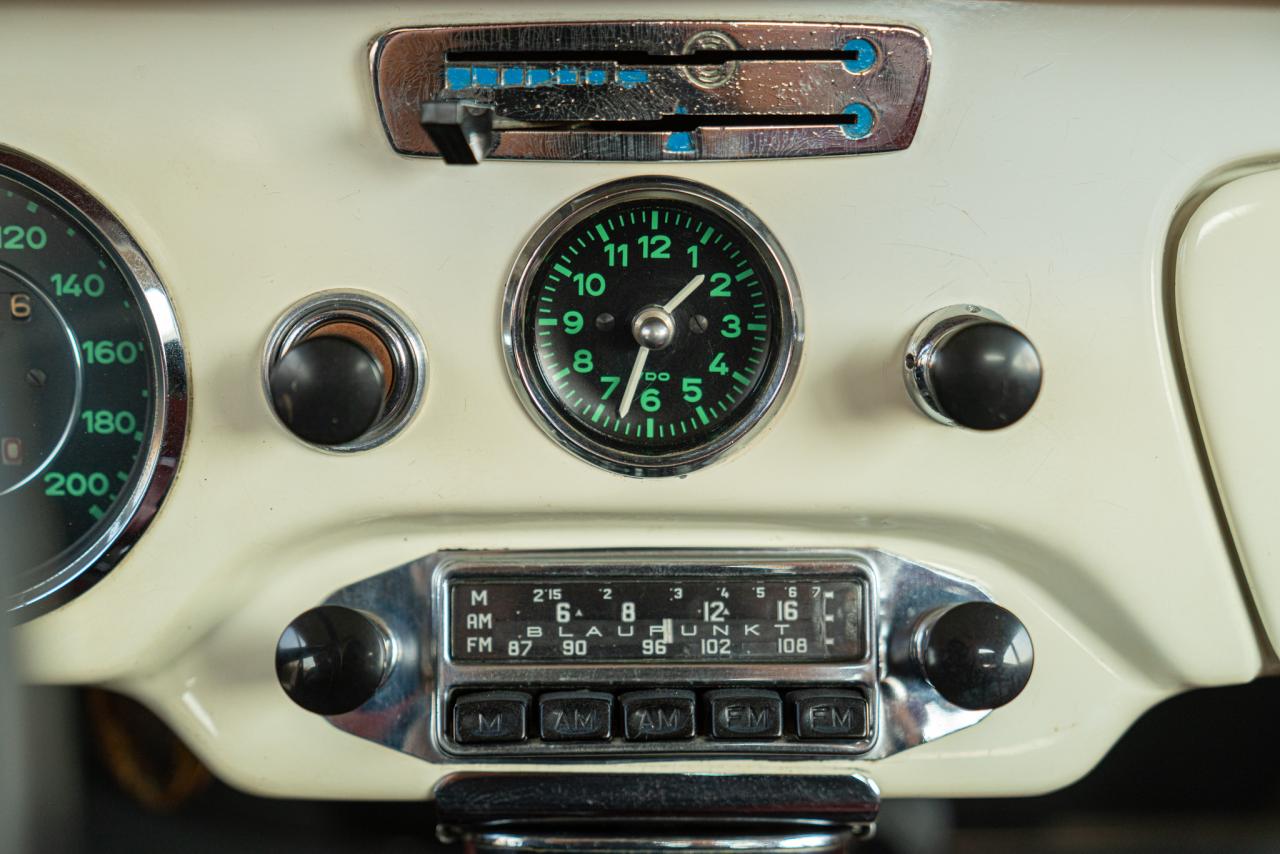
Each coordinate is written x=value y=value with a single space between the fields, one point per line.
x=1059 y=148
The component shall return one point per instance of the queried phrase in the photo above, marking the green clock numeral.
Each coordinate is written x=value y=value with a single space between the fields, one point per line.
x=616 y=254
x=612 y=383
x=692 y=388
x=656 y=246
x=732 y=326
x=718 y=366
x=692 y=252
x=591 y=285
x=720 y=285
x=649 y=400
x=582 y=362
x=572 y=322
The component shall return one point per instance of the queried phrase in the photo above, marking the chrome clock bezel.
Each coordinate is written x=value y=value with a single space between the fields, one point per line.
x=169 y=366
x=544 y=411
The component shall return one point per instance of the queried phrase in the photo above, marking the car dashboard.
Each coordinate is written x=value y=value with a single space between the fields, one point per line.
x=834 y=401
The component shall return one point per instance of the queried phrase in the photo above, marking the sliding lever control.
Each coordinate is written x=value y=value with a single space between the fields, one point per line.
x=462 y=131
x=650 y=91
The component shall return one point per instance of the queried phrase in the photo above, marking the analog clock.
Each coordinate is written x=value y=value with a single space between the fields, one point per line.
x=651 y=325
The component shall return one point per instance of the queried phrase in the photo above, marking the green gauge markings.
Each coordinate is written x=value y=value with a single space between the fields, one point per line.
x=717 y=335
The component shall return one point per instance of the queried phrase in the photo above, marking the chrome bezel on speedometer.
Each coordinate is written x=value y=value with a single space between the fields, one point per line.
x=131 y=515
x=546 y=413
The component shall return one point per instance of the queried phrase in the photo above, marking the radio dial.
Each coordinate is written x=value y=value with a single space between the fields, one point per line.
x=976 y=654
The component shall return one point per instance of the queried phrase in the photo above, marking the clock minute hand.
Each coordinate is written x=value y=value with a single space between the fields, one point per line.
x=637 y=369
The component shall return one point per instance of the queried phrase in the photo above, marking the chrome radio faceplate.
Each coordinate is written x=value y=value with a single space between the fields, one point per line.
x=534 y=628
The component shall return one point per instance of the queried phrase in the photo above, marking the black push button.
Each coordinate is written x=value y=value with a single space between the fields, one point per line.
x=823 y=713
x=575 y=716
x=494 y=716
x=660 y=715
x=745 y=713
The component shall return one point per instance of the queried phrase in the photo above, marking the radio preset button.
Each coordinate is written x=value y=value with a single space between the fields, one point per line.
x=575 y=716
x=659 y=715
x=491 y=717
x=823 y=713
x=745 y=713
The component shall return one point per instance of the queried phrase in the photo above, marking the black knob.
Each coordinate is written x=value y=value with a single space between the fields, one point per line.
x=966 y=366
x=976 y=654
x=331 y=660
x=328 y=390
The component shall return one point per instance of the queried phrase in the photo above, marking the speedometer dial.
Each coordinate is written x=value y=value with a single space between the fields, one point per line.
x=651 y=324
x=92 y=382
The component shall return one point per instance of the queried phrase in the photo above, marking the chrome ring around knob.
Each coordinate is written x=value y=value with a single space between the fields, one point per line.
x=966 y=366
x=384 y=333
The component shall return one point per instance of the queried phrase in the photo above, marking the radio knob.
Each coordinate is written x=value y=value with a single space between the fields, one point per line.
x=976 y=654
x=330 y=660
x=967 y=366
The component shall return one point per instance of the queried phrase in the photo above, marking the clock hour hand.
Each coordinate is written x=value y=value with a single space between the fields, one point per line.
x=684 y=293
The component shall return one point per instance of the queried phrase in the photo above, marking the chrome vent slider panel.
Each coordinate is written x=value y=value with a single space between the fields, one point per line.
x=650 y=90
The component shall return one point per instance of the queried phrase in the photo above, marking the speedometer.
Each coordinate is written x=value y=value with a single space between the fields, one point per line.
x=92 y=387
x=651 y=324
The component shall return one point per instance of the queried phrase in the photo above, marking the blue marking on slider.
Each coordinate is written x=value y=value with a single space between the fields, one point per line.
x=860 y=127
x=866 y=55
x=486 y=76
x=513 y=76
x=631 y=77
x=457 y=77
x=679 y=141
x=567 y=76
x=596 y=76
x=539 y=76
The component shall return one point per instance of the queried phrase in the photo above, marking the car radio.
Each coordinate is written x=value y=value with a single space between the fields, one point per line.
x=465 y=656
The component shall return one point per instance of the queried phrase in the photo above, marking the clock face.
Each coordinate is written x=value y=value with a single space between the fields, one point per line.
x=655 y=326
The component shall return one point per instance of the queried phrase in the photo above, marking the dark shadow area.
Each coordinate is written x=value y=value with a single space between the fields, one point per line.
x=1196 y=774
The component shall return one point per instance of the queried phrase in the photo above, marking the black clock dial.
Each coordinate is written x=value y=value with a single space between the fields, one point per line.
x=654 y=325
